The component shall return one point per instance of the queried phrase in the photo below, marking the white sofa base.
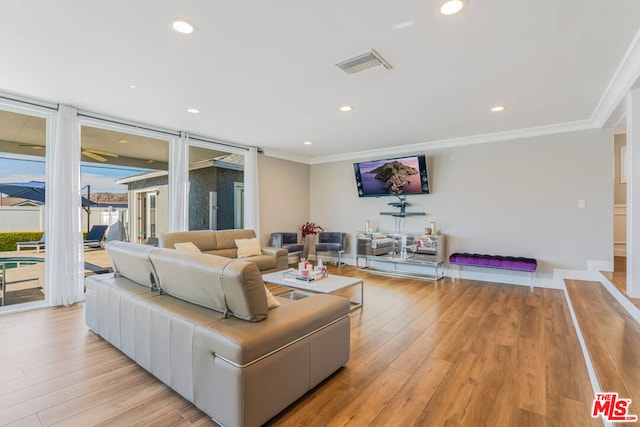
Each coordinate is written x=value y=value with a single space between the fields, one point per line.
x=181 y=344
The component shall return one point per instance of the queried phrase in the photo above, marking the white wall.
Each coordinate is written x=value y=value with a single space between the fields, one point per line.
x=515 y=197
x=284 y=195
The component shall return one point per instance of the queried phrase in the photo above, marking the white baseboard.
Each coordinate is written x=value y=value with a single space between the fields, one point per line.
x=620 y=249
x=597 y=265
x=560 y=274
x=592 y=273
x=621 y=298
x=501 y=276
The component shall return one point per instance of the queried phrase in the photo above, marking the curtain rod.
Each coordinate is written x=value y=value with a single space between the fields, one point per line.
x=15 y=98
x=215 y=141
x=127 y=123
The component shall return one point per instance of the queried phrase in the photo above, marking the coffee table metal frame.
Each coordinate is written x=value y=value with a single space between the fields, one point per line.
x=331 y=284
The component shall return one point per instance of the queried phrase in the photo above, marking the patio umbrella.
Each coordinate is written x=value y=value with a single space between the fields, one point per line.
x=32 y=190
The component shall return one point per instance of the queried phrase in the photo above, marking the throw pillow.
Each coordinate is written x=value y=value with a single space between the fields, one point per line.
x=271 y=300
x=248 y=247
x=187 y=247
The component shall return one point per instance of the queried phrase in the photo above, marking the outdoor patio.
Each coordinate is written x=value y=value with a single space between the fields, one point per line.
x=25 y=283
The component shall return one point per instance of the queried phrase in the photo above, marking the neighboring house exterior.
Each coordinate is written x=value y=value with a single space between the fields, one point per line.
x=216 y=192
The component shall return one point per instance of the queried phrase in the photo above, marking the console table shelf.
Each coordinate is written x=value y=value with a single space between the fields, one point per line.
x=401 y=254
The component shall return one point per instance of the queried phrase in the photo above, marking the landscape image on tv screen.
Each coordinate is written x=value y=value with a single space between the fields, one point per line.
x=391 y=176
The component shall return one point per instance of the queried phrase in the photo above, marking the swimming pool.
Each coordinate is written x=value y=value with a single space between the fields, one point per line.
x=14 y=262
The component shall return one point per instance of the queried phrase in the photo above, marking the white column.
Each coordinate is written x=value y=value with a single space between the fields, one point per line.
x=633 y=194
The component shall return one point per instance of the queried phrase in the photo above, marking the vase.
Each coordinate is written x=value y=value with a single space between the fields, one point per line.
x=309 y=249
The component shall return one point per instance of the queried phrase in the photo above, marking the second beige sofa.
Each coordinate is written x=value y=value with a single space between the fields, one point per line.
x=223 y=243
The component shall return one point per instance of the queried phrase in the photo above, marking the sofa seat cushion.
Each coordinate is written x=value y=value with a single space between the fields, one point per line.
x=227 y=253
x=293 y=247
x=242 y=343
x=328 y=247
x=264 y=262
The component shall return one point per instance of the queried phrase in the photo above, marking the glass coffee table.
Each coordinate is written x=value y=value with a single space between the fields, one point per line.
x=331 y=284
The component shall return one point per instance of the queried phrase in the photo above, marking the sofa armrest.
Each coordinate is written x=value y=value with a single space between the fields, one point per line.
x=276 y=252
x=281 y=255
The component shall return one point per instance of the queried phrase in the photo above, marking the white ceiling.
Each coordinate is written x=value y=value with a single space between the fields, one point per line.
x=263 y=73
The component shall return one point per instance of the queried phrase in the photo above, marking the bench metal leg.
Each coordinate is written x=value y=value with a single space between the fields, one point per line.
x=532 y=276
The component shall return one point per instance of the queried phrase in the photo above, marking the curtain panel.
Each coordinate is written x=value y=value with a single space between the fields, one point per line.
x=251 y=199
x=179 y=183
x=64 y=252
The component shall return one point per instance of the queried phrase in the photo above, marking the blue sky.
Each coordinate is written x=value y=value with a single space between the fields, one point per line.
x=18 y=168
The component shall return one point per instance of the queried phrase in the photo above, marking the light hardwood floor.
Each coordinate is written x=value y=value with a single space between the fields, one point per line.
x=422 y=353
x=613 y=339
x=619 y=278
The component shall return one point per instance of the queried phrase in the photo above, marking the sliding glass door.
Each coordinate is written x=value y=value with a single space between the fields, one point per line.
x=128 y=178
x=23 y=141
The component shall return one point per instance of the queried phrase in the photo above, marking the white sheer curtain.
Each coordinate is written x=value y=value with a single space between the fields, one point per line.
x=251 y=196
x=179 y=183
x=64 y=251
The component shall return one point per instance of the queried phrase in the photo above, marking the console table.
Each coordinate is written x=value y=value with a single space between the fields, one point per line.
x=401 y=254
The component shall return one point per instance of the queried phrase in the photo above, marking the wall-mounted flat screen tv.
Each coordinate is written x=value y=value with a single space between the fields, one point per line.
x=391 y=177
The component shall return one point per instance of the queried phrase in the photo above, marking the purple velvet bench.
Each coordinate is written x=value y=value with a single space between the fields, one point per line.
x=496 y=261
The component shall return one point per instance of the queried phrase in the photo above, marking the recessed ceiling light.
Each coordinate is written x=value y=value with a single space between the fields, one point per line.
x=132 y=86
x=193 y=110
x=308 y=143
x=403 y=25
x=498 y=108
x=183 y=26
x=123 y=141
x=449 y=7
x=346 y=108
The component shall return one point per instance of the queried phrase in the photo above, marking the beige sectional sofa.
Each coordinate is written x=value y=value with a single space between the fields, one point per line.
x=223 y=243
x=200 y=324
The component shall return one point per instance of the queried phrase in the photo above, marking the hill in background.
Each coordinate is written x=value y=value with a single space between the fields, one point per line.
x=109 y=198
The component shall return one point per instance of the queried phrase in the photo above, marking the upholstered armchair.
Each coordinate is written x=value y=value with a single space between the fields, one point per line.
x=288 y=241
x=332 y=242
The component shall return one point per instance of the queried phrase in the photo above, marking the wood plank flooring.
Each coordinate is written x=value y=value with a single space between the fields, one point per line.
x=619 y=278
x=612 y=337
x=422 y=353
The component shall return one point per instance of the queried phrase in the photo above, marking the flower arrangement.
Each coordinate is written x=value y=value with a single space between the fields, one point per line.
x=310 y=228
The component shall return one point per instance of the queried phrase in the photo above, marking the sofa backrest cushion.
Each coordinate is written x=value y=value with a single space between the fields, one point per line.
x=226 y=239
x=132 y=260
x=218 y=283
x=205 y=240
x=245 y=291
x=191 y=277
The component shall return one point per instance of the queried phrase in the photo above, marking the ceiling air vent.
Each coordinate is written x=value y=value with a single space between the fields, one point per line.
x=364 y=62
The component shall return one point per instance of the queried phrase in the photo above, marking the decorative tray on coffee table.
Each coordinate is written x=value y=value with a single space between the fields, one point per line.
x=297 y=275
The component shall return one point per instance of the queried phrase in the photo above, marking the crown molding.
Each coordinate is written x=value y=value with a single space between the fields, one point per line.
x=457 y=142
x=286 y=156
x=611 y=107
x=608 y=113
